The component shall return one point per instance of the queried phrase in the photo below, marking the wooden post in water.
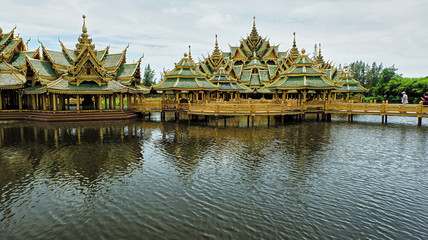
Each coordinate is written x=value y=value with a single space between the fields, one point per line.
x=224 y=121
x=318 y=117
x=248 y=121
x=177 y=116
x=252 y=120
x=216 y=121
x=282 y=119
x=419 y=121
x=268 y=120
x=383 y=119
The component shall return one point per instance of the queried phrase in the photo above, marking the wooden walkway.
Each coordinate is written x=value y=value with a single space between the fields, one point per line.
x=279 y=108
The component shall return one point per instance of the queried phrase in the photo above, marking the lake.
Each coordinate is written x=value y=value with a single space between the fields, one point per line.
x=141 y=179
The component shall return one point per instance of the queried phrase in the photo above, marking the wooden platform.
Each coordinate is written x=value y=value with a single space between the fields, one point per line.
x=66 y=116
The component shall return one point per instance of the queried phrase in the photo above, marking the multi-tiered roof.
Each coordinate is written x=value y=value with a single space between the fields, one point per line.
x=13 y=52
x=185 y=77
x=349 y=84
x=83 y=70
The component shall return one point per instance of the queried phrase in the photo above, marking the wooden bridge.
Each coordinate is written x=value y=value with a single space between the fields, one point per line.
x=252 y=108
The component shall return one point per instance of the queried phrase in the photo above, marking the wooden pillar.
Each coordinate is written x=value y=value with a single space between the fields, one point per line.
x=121 y=101
x=33 y=102
x=248 y=121
x=177 y=116
x=419 y=121
x=100 y=106
x=44 y=104
x=216 y=121
x=1 y=100
x=54 y=101
x=37 y=102
x=224 y=121
x=252 y=121
x=78 y=103
x=114 y=101
x=19 y=101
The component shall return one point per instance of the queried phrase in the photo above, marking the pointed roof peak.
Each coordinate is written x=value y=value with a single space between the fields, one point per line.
x=84 y=40
x=84 y=29
x=294 y=39
x=216 y=53
x=190 y=53
x=254 y=35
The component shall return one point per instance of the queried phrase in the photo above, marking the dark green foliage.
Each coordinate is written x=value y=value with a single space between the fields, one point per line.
x=149 y=76
x=386 y=84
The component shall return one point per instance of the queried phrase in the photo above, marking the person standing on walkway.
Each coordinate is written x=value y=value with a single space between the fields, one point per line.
x=404 y=99
x=425 y=99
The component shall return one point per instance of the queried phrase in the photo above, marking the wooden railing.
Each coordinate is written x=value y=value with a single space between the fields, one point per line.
x=378 y=109
x=255 y=107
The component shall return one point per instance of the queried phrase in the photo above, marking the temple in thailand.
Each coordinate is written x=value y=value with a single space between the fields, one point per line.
x=252 y=78
x=75 y=84
x=258 y=70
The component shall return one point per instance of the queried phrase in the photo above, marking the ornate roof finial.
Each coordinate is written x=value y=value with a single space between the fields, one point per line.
x=216 y=42
x=84 y=40
x=84 y=29
x=190 y=53
x=319 y=53
x=26 y=43
x=254 y=21
x=294 y=40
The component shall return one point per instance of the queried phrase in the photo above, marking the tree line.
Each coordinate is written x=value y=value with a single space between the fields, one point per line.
x=386 y=84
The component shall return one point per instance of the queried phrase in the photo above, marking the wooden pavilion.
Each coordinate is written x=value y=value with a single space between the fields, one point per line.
x=350 y=88
x=84 y=78
x=185 y=83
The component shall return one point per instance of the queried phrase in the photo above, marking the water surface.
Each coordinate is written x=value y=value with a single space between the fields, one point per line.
x=152 y=180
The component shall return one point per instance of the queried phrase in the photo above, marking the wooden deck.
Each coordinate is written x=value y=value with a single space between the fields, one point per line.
x=282 y=108
x=244 y=107
x=66 y=116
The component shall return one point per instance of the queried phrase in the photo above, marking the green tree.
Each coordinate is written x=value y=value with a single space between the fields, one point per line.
x=149 y=76
x=382 y=88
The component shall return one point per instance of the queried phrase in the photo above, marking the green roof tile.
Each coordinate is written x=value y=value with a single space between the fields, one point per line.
x=44 y=68
x=18 y=59
x=112 y=60
x=127 y=70
x=8 y=79
x=59 y=58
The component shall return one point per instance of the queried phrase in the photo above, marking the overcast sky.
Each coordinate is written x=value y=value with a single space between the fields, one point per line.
x=388 y=32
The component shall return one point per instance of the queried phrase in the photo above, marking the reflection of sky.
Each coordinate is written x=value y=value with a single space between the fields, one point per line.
x=147 y=178
x=390 y=32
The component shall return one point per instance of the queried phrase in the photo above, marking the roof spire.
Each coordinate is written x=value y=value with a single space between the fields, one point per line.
x=294 y=40
x=84 y=39
x=294 y=53
x=320 y=60
x=84 y=29
x=216 y=52
x=190 y=53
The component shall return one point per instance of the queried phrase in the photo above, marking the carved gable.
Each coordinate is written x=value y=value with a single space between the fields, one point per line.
x=87 y=69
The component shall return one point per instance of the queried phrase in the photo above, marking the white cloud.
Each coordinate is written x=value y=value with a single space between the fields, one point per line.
x=391 y=32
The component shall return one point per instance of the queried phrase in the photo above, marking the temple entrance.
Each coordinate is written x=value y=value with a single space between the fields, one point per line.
x=88 y=103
